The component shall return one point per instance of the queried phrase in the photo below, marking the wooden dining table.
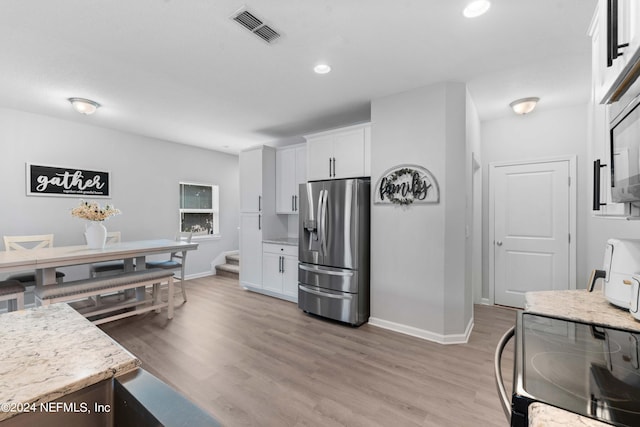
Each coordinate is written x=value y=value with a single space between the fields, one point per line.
x=45 y=260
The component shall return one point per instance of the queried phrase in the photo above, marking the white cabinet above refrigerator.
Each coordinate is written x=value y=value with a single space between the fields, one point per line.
x=339 y=153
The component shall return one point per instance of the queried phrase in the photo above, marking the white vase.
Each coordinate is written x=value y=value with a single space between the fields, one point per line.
x=95 y=235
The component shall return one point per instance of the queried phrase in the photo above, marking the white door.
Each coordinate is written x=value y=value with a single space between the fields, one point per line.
x=271 y=272
x=348 y=154
x=531 y=208
x=290 y=276
x=251 y=181
x=286 y=186
x=319 y=154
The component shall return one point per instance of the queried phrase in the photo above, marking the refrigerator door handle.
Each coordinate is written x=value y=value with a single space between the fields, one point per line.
x=327 y=272
x=323 y=222
x=324 y=294
x=319 y=216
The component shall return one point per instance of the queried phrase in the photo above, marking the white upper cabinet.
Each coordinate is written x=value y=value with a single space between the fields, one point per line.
x=599 y=122
x=339 y=153
x=290 y=171
x=617 y=43
x=251 y=180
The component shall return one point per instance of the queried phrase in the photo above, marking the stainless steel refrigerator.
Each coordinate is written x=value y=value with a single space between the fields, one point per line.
x=333 y=269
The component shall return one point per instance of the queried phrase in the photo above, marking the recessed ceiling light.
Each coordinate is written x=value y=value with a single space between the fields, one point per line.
x=322 y=69
x=476 y=8
x=84 y=106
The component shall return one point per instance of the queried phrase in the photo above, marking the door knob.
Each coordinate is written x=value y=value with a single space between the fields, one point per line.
x=499 y=243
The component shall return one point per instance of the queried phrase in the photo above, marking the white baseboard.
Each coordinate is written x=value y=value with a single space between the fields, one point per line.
x=422 y=333
x=199 y=275
x=485 y=301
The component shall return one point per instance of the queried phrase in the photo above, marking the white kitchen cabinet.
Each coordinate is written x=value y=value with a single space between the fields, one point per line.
x=610 y=70
x=251 y=170
x=258 y=218
x=251 y=249
x=599 y=119
x=339 y=153
x=280 y=271
x=290 y=172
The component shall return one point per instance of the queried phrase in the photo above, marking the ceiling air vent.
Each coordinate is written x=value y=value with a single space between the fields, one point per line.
x=249 y=21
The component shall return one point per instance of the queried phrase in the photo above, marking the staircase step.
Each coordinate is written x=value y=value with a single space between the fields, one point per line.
x=233 y=259
x=228 y=270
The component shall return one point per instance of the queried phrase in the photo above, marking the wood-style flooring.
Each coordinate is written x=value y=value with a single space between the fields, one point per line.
x=252 y=360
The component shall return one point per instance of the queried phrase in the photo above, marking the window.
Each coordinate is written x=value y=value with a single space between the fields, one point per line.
x=199 y=209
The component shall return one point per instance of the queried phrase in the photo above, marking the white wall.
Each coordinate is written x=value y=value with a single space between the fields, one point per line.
x=541 y=134
x=144 y=176
x=418 y=252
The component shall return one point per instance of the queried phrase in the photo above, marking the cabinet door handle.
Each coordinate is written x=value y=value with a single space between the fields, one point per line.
x=334 y=167
x=259 y=203
x=282 y=263
x=293 y=204
x=596 y=185
x=259 y=222
x=329 y=167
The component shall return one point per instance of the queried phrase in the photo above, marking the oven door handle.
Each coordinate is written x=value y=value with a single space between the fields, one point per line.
x=497 y=366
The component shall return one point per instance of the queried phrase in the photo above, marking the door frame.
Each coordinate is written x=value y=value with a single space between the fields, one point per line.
x=572 y=215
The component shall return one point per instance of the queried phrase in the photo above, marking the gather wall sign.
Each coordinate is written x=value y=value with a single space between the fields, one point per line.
x=405 y=185
x=66 y=182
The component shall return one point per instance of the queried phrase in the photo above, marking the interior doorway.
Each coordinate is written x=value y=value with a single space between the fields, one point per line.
x=532 y=225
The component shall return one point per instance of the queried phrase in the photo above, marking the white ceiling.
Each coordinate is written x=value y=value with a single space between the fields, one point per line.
x=181 y=70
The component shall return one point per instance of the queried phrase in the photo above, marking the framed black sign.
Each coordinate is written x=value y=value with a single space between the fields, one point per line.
x=66 y=182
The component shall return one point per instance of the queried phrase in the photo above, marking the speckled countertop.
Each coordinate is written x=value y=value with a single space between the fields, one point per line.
x=541 y=415
x=580 y=305
x=291 y=241
x=49 y=352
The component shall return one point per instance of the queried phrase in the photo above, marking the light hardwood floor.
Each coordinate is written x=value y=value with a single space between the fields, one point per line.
x=249 y=359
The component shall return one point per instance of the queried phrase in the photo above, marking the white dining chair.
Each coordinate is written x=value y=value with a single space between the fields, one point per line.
x=27 y=243
x=176 y=262
x=108 y=267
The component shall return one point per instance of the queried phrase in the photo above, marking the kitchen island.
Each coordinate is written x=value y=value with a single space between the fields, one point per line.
x=576 y=305
x=51 y=354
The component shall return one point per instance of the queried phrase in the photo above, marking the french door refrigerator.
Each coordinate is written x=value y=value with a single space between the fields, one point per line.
x=333 y=269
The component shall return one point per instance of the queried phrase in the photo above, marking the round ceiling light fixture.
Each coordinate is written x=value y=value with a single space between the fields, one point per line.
x=524 y=105
x=322 y=69
x=476 y=8
x=84 y=106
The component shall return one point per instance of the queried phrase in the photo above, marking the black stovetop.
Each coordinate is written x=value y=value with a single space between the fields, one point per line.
x=587 y=369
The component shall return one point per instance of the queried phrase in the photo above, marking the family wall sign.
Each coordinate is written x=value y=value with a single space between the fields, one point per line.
x=405 y=185
x=66 y=182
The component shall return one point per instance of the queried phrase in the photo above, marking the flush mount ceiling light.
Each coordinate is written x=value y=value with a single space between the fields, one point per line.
x=476 y=8
x=84 y=106
x=322 y=69
x=524 y=105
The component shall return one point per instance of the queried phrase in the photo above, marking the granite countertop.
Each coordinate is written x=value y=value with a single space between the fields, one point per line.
x=541 y=415
x=579 y=305
x=291 y=241
x=51 y=351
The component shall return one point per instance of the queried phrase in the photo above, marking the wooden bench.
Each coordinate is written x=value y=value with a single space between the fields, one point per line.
x=82 y=289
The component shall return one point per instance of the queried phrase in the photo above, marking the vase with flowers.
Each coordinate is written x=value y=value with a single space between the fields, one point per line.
x=95 y=232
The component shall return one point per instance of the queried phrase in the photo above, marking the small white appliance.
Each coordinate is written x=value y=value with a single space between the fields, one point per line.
x=621 y=262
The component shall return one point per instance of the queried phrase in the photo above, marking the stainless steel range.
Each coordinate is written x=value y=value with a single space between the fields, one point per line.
x=583 y=368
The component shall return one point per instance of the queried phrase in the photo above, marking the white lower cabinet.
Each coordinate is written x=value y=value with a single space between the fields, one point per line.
x=280 y=271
